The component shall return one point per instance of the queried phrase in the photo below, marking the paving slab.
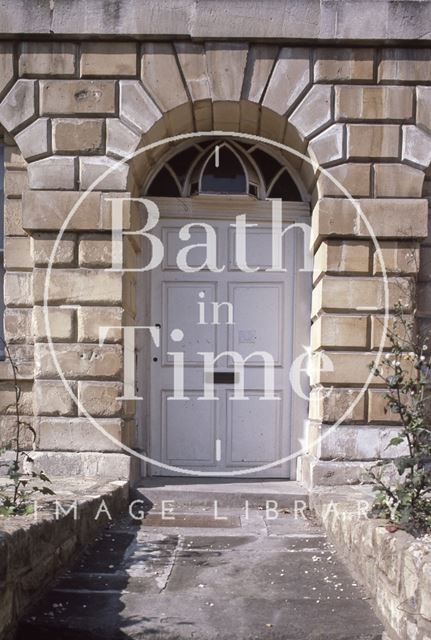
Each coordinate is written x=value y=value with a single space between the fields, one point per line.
x=248 y=577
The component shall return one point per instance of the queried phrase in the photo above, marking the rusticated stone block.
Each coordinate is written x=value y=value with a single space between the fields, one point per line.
x=60 y=321
x=13 y=217
x=314 y=112
x=7 y=398
x=108 y=59
x=158 y=61
x=404 y=65
x=13 y=157
x=38 y=59
x=342 y=257
x=416 y=146
x=51 y=398
x=33 y=140
x=388 y=218
x=77 y=97
x=397 y=181
x=328 y=146
x=110 y=175
x=17 y=326
x=18 y=107
x=335 y=367
x=423 y=107
x=101 y=399
x=378 y=410
x=77 y=135
x=398 y=257
x=6 y=65
x=95 y=251
x=358 y=294
x=79 y=361
x=78 y=286
x=329 y=331
x=354 y=178
x=22 y=355
x=373 y=103
x=91 y=321
x=120 y=140
x=17 y=254
x=43 y=247
x=352 y=443
x=18 y=289
x=78 y=434
x=56 y=172
x=15 y=183
x=329 y=404
x=47 y=210
x=373 y=141
x=338 y=65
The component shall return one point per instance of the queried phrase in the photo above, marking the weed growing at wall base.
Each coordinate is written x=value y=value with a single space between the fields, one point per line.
x=403 y=483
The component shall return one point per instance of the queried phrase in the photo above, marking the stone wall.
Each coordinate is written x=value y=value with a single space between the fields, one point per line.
x=35 y=548
x=75 y=108
x=394 y=567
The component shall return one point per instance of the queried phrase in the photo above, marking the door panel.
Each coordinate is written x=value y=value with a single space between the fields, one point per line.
x=224 y=434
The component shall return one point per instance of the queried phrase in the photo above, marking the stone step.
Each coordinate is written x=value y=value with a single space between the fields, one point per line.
x=189 y=492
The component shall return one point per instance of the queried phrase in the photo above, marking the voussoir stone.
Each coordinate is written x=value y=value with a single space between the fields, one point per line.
x=416 y=146
x=158 y=63
x=120 y=140
x=327 y=147
x=136 y=106
x=33 y=140
x=6 y=65
x=19 y=106
x=290 y=77
x=314 y=112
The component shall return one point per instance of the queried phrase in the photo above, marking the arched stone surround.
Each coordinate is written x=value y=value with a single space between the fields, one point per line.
x=75 y=109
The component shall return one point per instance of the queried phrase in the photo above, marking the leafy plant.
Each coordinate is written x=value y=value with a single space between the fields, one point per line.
x=403 y=483
x=22 y=482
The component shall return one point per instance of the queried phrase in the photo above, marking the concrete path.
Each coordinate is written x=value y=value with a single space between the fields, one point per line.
x=245 y=577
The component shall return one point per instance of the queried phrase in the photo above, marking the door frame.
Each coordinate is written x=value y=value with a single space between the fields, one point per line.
x=205 y=208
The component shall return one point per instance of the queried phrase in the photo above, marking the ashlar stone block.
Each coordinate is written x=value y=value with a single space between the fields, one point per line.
x=39 y=59
x=78 y=286
x=334 y=64
x=79 y=361
x=110 y=175
x=101 y=399
x=48 y=210
x=77 y=135
x=373 y=103
x=91 y=320
x=108 y=59
x=61 y=324
x=397 y=181
x=56 y=172
x=77 y=97
x=18 y=289
x=43 y=246
x=51 y=398
x=375 y=141
x=6 y=66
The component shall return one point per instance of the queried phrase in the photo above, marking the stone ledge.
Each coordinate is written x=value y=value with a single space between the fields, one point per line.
x=34 y=549
x=325 y=20
x=395 y=568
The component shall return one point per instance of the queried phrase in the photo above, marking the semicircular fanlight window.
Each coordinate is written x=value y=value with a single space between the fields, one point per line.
x=284 y=188
x=164 y=185
x=223 y=173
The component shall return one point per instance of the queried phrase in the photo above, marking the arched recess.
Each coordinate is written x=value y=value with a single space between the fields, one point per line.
x=187 y=204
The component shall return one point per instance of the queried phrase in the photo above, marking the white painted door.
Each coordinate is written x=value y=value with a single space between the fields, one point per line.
x=223 y=435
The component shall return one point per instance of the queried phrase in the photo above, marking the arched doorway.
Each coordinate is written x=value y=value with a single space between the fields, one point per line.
x=221 y=302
